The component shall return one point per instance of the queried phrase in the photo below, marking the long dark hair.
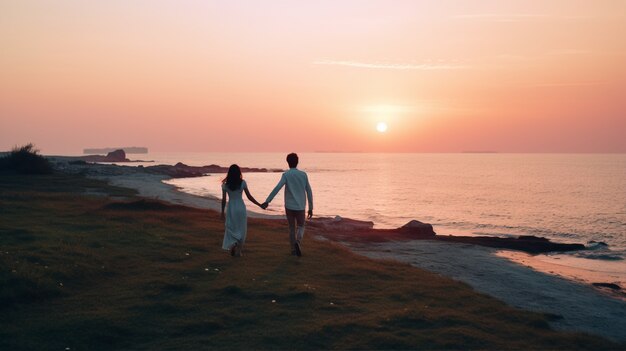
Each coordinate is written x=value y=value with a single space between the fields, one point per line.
x=233 y=178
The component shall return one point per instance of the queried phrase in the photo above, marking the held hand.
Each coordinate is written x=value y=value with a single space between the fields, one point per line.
x=222 y=217
x=310 y=214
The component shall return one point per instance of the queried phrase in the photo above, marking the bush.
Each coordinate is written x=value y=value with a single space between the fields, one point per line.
x=25 y=160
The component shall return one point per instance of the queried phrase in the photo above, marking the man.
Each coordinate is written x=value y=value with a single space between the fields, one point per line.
x=296 y=184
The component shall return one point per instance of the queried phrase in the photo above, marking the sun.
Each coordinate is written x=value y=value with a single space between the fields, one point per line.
x=381 y=127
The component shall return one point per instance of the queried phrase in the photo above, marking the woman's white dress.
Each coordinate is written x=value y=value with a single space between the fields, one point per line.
x=236 y=217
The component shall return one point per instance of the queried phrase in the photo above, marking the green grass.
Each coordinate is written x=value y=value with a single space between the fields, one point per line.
x=79 y=271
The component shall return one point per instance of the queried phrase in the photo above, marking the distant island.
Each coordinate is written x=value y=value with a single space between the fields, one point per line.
x=106 y=150
x=113 y=156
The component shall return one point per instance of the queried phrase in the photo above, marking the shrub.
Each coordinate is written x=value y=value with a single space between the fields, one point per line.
x=25 y=160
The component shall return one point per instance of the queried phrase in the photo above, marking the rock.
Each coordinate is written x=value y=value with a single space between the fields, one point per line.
x=128 y=150
x=417 y=228
x=532 y=238
x=361 y=231
x=597 y=245
x=607 y=285
x=181 y=170
x=113 y=156
x=116 y=156
x=530 y=244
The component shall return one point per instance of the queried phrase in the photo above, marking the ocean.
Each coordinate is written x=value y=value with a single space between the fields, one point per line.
x=563 y=197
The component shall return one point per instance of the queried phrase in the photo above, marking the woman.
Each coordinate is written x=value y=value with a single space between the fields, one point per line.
x=236 y=217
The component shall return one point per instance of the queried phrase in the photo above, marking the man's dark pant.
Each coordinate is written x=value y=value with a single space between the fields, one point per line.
x=295 y=217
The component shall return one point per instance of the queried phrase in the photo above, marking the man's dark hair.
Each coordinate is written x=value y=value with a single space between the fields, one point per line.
x=292 y=160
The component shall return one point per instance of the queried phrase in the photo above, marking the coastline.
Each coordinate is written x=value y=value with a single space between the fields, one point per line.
x=487 y=270
x=113 y=270
x=571 y=304
x=570 y=268
x=154 y=186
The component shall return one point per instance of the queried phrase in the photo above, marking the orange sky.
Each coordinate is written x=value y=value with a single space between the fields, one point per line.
x=446 y=76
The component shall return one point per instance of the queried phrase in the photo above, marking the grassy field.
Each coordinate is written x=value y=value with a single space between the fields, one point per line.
x=79 y=271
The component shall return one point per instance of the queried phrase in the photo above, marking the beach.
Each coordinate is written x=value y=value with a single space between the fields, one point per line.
x=573 y=305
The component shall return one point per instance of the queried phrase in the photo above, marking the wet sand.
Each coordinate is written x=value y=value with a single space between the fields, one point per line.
x=574 y=268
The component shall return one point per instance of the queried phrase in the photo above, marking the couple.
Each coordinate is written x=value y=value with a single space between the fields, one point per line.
x=296 y=184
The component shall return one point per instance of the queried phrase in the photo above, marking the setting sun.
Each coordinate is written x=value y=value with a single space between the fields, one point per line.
x=381 y=127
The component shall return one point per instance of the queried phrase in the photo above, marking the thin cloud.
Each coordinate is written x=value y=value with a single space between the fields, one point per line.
x=396 y=66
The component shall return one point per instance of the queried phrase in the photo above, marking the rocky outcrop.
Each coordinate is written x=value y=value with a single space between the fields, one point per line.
x=127 y=149
x=181 y=170
x=344 y=229
x=363 y=231
x=418 y=229
x=526 y=243
x=611 y=286
x=113 y=156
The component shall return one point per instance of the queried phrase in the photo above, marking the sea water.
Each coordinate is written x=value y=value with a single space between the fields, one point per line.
x=564 y=197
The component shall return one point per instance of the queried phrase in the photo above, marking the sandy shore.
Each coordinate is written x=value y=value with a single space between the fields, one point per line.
x=153 y=187
x=148 y=185
x=574 y=268
x=575 y=306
